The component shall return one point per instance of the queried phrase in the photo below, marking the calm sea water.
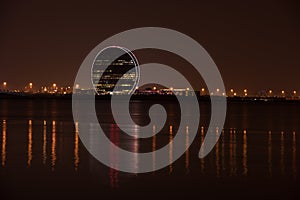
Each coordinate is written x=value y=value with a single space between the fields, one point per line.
x=257 y=155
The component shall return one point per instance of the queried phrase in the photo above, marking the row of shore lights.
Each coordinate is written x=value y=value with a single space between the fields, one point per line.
x=54 y=85
x=232 y=92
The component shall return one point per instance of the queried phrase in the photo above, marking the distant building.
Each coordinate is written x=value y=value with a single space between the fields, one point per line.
x=107 y=71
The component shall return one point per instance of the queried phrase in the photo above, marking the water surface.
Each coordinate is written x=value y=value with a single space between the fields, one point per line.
x=257 y=155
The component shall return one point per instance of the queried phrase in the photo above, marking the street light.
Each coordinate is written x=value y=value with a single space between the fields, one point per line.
x=4 y=85
x=30 y=85
x=245 y=92
x=231 y=92
x=283 y=93
x=295 y=94
x=202 y=91
x=187 y=91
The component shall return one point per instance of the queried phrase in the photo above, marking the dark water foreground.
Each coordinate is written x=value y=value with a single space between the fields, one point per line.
x=257 y=156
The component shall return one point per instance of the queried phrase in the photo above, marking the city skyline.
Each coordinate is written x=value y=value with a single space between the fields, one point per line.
x=60 y=89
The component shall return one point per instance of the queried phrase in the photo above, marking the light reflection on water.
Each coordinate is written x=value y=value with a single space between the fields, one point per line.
x=230 y=157
x=76 y=148
x=202 y=160
x=53 y=146
x=171 y=149
x=3 y=146
x=29 y=152
x=154 y=148
x=282 y=167
x=294 y=165
x=217 y=157
x=187 y=159
x=245 y=165
x=270 y=153
x=44 y=142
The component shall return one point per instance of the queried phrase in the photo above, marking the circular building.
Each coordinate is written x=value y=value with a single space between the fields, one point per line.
x=115 y=71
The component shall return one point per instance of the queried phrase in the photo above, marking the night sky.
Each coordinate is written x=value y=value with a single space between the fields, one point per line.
x=256 y=45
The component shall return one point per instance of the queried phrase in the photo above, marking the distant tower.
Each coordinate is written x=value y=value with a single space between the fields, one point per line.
x=121 y=65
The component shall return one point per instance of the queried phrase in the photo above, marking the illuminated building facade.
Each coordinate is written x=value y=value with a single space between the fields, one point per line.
x=115 y=65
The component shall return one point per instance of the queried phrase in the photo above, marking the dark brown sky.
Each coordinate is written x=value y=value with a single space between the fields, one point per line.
x=255 y=44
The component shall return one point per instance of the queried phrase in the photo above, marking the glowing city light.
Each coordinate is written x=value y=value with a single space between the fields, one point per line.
x=54 y=89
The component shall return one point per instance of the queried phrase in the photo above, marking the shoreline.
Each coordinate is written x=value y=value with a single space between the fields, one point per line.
x=206 y=98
